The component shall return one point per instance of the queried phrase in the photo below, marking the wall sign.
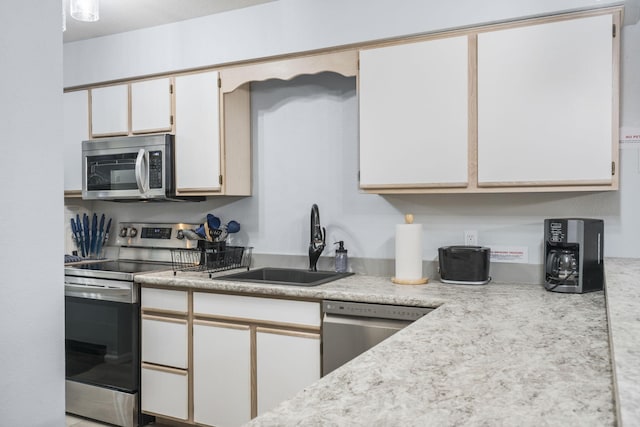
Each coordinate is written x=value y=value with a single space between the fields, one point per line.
x=629 y=135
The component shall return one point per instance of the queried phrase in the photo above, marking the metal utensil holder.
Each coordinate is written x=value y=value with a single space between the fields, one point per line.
x=211 y=257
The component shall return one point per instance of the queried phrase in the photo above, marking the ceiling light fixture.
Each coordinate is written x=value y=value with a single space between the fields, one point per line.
x=85 y=10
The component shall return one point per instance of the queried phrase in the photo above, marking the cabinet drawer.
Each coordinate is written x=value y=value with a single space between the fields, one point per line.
x=304 y=313
x=164 y=341
x=165 y=391
x=162 y=299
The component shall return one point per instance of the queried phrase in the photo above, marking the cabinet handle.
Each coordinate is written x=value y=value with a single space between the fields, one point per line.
x=163 y=369
x=163 y=319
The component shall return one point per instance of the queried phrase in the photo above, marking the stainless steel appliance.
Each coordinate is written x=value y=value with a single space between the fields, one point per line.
x=574 y=255
x=465 y=265
x=350 y=328
x=102 y=311
x=129 y=168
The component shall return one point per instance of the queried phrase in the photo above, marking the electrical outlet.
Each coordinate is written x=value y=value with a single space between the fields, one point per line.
x=470 y=238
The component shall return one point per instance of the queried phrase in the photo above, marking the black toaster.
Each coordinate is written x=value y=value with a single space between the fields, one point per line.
x=464 y=265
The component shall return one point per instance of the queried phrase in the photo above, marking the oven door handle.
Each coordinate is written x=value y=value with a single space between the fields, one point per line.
x=142 y=172
x=99 y=293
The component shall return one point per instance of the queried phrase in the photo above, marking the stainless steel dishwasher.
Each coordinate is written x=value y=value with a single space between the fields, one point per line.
x=351 y=328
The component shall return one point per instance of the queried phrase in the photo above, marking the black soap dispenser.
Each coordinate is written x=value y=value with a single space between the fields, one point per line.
x=342 y=260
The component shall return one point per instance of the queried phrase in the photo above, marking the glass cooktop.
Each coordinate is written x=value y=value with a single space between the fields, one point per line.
x=118 y=269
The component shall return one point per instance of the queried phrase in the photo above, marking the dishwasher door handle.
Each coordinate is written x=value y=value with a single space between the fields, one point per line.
x=365 y=322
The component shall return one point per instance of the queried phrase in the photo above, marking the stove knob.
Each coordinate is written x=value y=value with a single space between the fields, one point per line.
x=123 y=232
x=180 y=235
x=133 y=232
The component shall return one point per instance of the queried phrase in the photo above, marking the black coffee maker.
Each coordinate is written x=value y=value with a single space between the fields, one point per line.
x=573 y=250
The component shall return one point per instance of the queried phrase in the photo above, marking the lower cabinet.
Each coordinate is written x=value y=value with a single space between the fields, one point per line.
x=286 y=362
x=164 y=346
x=165 y=391
x=222 y=373
x=228 y=358
x=165 y=341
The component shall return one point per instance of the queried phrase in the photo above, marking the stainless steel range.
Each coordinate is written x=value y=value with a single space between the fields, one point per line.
x=102 y=311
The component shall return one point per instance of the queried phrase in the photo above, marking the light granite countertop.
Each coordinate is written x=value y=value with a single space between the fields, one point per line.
x=501 y=354
x=623 y=311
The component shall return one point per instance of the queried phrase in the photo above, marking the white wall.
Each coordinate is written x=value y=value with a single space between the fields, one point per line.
x=31 y=287
x=304 y=135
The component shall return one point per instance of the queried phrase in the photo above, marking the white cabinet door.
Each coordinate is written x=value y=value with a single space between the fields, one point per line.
x=164 y=341
x=110 y=110
x=76 y=130
x=414 y=114
x=286 y=363
x=164 y=391
x=545 y=103
x=197 y=133
x=221 y=374
x=151 y=106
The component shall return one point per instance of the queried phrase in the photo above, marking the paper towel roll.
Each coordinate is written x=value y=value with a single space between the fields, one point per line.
x=408 y=253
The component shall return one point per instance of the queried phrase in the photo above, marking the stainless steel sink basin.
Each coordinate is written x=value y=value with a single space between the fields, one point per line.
x=285 y=276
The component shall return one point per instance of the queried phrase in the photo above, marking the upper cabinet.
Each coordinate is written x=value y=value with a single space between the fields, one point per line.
x=212 y=132
x=213 y=136
x=414 y=114
x=110 y=111
x=132 y=108
x=197 y=133
x=525 y=106
x=75 y=130
x=151 y=109
x=545 y=104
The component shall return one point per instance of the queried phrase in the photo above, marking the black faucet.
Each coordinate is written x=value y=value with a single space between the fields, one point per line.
x=318 y=235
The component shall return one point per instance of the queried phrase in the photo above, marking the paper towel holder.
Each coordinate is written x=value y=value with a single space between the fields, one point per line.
x=408 y=219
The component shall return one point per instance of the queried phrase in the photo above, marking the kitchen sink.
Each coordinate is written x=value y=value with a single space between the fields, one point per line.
x=285 y=276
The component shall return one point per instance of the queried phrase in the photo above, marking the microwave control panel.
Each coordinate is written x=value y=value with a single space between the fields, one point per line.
x=155 y=169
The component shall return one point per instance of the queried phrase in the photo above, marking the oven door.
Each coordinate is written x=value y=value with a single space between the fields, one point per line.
x=127 y=168
x=102 y=351
x=101 y=333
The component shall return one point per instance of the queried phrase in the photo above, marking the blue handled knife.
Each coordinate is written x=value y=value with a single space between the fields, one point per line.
x=87 y=240
x=94 y=234
x=80 y=235
x=106 y=233
x=105 y=239
x=99 y=238
x=76 y=236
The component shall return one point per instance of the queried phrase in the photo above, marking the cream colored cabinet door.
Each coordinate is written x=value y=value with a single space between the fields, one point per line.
x=197 y=133
x=164 y=341
x=110 y=110
x=545 y=104
x=414 y=115
x=165 y=391
x=286 y=362
x=151 y=102
x=75 y=130
x=221 y=374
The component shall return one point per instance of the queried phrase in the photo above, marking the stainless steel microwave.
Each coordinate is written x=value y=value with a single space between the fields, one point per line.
x=128 y=168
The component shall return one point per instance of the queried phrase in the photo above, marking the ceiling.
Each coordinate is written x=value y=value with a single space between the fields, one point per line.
x=118 y=16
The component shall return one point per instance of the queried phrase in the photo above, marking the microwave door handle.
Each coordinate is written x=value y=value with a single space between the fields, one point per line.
x=141 y=172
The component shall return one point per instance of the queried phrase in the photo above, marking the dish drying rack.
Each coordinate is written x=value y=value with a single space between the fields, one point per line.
x=211 y=257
